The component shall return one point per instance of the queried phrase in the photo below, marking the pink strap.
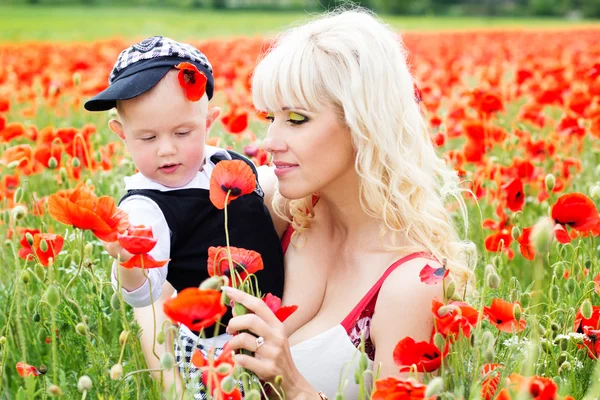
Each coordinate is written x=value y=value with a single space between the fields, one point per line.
x=287 y=238
x=350 y=320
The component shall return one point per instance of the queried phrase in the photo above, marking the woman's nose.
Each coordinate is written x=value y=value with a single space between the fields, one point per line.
x=273 y=142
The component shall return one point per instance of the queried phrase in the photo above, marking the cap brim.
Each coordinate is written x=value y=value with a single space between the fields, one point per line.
x=126 y=88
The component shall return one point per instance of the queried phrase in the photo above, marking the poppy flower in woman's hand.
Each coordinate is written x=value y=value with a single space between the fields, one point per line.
x=53 y=245
x=230 y=176
x=431 y=276
x=195 y=308
x=501 y=315
x=82 y=209
x=274 y=304
x=426 y=357
x=137 y=239
x=27 y=370
x=245 y=262
x=191 y=80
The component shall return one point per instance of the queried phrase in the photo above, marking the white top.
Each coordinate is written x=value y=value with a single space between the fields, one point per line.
x=144 y=211
x=328 y=361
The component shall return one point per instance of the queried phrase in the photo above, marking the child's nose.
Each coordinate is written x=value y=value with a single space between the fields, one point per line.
x=167 y=148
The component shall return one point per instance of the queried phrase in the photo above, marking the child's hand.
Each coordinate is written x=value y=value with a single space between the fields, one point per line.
x=116 y=251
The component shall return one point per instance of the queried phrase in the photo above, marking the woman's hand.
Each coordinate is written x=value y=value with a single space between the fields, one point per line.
x=271 y=359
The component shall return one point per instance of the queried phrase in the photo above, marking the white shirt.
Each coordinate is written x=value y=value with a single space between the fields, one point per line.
x=144 y=211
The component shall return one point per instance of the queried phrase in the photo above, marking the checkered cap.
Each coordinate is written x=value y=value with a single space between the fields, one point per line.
x=140 y=67
x=156 y=47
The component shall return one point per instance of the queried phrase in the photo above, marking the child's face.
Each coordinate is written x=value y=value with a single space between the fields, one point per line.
x=165 y=133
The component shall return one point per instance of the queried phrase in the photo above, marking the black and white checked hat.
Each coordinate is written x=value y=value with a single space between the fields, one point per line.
x=143 y=65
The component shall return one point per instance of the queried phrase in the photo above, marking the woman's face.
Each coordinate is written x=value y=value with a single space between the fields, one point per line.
x=312 y=151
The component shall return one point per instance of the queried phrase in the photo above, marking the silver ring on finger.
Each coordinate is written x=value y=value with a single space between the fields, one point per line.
x=259 y=342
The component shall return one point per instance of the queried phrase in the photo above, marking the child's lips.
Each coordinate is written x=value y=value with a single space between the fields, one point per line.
x=170 y=168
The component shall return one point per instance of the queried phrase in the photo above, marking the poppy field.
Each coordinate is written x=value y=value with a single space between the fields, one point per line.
x=516 y=113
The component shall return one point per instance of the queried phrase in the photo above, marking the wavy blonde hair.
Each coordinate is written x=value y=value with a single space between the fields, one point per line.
x=353 y=61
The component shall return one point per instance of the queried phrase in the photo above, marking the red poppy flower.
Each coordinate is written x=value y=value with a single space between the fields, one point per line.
x=195 y=308
x=191 y=80
x=575 y=210
x=515 y=197
x=580 y=322
x=137 y=239
x=597 y=283
x=54 y=245
x=592 y=342
x=27 y=370
x=213 y=375
x=525 y=245
x=82 y=209
x=245 y=262
x=145 y=261
x=538 y=387
x=501 y=315
x=491 y=374
x=457 y=317
x=26 y=250
x=235 y=122
x=274 y=304
x=230 y=176
x=425 y=356
x=499 y=241
x=431 y=276
x=398 y=389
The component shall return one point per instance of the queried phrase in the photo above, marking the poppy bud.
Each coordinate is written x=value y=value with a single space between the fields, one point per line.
x=228 y=384
x=40 y=271
x=115 y=302
x=123 y=337
x=517 y=312
x=239 y=309
x=88 y=248
x=52 y=295
x=554 y=326
x=434 y=387
x=52 y=163
x=161 y=337
x=514 y=295
x=2 y=340
x=26 y=277
x=439 y=341
x=18 y=195
x=493 y=281
x=515 y=232
x=29 y=238
x=542 y=234
x=44 y=245
x=67 y=261
x=252 y=395
x=81 y=329
x=167 y=361
x=54 y=390
x=19 y=212
x=279 y=380
x=541 y=329
x=116 y=372
x=63 y=174
x=488 y=356
x=488 y=340
x=31 y=303
x=76 y=257
x=586 y=309
x=595 y=192
x=550 y=181
x=450 y=289
x=357 y=376
x=214 y=282
x=547 y=347
x=363 y=362
x=562 y=357
x=559 y=270
x=75 y=162
x=84 y=384
x=36 y=317
x=525 y=299
x=570 y=285
x=564 y=367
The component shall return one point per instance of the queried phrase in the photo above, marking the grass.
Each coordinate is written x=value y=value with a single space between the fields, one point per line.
x=26 y=23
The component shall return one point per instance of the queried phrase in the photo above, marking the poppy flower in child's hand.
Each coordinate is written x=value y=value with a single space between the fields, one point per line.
x=233 y=177
x=195 y=308
x=137 y=239
x=191 y=80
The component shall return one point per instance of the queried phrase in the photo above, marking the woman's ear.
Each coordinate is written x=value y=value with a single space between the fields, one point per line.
x=115 y=126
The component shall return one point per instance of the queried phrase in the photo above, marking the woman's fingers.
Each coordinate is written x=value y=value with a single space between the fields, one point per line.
x=264 y=369
x=244 y=341
x=249 y=322
x=254 y=304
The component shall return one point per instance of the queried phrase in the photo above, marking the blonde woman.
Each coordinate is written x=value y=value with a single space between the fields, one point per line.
x=358 y=180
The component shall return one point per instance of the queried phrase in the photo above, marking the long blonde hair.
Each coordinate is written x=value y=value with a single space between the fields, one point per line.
x=351 y=60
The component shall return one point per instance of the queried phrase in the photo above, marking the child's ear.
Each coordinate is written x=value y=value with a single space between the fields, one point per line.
x=115 y=126
x=211 y=116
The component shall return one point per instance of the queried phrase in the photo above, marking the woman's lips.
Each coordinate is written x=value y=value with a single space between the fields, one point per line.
x=284 y=168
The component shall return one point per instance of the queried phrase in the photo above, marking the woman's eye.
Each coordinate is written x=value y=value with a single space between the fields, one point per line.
x=270 y=117
x=297 y=119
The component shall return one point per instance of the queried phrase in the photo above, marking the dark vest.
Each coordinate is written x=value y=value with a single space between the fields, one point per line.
x=196 y=224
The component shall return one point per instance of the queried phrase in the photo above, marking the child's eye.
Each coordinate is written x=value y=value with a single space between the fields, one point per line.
x=297 y=119
x=147 y=138
x=183 y=133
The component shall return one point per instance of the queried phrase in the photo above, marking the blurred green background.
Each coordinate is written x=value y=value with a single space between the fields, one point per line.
x=22 y=20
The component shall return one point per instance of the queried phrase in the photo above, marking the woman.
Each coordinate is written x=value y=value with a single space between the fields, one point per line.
x=357 y=177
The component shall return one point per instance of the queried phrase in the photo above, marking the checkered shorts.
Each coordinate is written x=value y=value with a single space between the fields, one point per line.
x=184 y=347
